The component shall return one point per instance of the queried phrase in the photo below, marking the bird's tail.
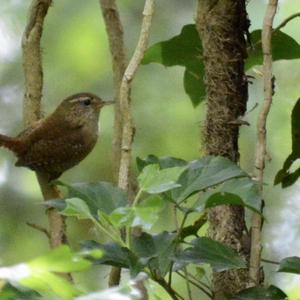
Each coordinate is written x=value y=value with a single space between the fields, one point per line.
x=11 y=143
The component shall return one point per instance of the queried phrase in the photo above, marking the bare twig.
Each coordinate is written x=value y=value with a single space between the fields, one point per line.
x=195 y=283
x=173 y=294
x=114 y=29
x=115 y=34
x=32 y=63
x=39 y=228
x=255 y=257
x=124 y=98
x=128 y=129
x=287 y=20
x=272 y=262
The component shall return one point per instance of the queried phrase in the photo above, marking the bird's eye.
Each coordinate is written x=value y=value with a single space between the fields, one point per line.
x=87 y=102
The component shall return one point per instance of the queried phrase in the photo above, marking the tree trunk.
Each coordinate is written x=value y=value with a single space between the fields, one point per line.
x=222 y=25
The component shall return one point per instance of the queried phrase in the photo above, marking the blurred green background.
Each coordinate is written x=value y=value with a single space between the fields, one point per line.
x=76 y=58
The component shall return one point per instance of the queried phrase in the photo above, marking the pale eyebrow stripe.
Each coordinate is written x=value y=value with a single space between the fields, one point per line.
x=80 y=99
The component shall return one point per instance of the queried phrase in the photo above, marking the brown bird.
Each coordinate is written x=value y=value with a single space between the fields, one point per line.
x=61 y=140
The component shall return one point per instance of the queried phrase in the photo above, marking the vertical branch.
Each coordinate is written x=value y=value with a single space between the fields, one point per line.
x=124 y=130
x=115 y=35
x=255 y=257
x=33 y=72
x=222 y=26
x=128 y=129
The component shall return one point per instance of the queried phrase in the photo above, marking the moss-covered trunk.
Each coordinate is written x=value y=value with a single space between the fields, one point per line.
x=222 y=25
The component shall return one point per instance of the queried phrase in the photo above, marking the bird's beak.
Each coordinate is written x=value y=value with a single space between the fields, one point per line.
x=109 y=102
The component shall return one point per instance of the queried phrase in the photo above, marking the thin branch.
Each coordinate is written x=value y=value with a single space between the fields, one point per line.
x=196 y=285
x=173 y=294
x=128 y=129
x=255 y=256
x=124 y=97
x=272 y=262
x=115 y=34
x=200 y=282
x=287 y=20
x=32 y=64
x=39 y=228
x=187 y=283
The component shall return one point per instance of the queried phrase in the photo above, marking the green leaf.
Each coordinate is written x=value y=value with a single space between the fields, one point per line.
x=205 y=250
x=285 y=176
x=77 y=208
x=9 y=292
x=237 y=191
x=147 y=212
x=186 y=50
x=183 y=50
x=290 y=265
x=61 y=259
x=261 y=293
x=40 y=274
x=205 y=173
x=51 y=284
x=193 y=82
x=122 y=216
x=153 y=180
x=283 y=47
x=155 y=250
x=164 y=162
x=128 y=291
x=115 y=255
x=101 y=196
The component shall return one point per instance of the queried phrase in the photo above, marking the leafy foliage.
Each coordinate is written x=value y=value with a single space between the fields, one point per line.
x=285 y=176
x=186 y=50
x=40 y=273
x=205 y=250
x=204 y=173
x=261 y=293
x=156 y=250
x=154 y=181
x=290 y=265
x=219 y=180
x=98 y=196
x=237 y=191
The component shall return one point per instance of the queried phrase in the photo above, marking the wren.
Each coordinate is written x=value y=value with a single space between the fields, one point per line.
x=61 y=140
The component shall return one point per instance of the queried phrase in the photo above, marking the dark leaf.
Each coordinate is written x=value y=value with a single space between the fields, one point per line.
x=115 y=255
x=285 y=176
x=205 y=173
x=186 y=50
x=182 y=50
x=237 y=191
x=261 y=293
x=193 y=82
x=205 y=250
x=10 y=292
x=290 y=265
x=164 y=162
x=283 y=47
x=154 y=180
x=156 y=250
x=101 y=196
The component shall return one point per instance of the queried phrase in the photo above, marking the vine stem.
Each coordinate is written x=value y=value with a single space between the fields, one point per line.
x=255 y=255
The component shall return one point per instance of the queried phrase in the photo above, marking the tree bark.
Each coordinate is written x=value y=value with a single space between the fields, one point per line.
x=115 y=34
x=222 y=25
x=33 y=72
